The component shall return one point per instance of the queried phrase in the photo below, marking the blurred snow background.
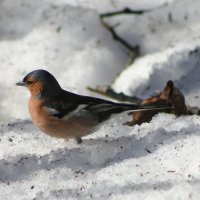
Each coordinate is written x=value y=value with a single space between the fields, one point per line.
x=157 y=160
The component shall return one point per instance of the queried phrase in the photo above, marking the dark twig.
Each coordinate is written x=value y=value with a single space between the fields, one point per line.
x=128 y=11
x=124 y=11
x=133 y=50
x=147 y=150
x=109 y=92
x=118 y=38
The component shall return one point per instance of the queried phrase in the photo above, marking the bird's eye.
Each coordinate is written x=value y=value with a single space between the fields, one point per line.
x=29 y=82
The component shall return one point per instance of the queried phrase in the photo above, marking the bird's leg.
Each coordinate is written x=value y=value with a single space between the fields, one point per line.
x=79 y=140
x=66 y=140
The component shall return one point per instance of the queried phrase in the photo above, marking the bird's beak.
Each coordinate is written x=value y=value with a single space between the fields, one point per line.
x=20 y=83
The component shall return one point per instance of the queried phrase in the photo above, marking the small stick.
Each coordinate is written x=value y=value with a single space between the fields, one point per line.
x=147 y=150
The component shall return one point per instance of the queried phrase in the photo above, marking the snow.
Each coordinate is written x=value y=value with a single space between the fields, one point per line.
x=114 y=167
x=156 y=160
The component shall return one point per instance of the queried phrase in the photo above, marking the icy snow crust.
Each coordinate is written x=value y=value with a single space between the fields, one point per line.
x=157 y=160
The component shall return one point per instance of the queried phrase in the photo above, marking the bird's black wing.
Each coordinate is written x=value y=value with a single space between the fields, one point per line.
x=68 y=103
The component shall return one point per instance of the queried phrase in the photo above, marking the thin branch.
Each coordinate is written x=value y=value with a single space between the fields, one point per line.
x=128 y=11
x=109 y=92
x=134 y=51
x=118 y=38
x=124 y=11
x=147 y=150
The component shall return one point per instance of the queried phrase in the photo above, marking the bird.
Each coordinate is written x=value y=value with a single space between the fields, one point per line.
x=63 y=114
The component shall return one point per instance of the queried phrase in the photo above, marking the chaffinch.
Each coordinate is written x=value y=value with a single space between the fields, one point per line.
x=63 y=114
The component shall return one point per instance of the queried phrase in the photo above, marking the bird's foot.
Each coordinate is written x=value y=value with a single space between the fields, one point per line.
x=79 y=140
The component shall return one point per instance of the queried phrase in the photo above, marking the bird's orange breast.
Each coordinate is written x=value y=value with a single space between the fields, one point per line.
x=37 y=113
x=61 y=128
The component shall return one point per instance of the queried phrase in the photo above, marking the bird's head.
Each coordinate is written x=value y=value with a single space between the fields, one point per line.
x=41 y=84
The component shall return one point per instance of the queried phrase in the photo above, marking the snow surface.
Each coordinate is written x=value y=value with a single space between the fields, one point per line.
x=157 y=160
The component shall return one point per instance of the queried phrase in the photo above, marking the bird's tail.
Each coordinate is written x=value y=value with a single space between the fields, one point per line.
x=105 y=110
x=153 y=106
